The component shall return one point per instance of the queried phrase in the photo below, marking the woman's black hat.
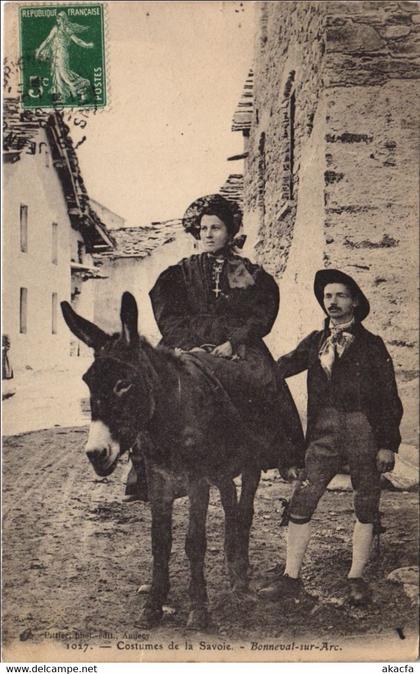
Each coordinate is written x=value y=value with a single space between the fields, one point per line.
x=212 y=204
x=326 y=276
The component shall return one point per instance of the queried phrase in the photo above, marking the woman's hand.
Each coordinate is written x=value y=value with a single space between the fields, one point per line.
x=223 y=350
x=385 y=460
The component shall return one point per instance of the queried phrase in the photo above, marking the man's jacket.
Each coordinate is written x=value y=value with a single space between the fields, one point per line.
x=362 y=379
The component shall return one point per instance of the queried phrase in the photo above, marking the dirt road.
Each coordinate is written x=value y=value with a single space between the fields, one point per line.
x=74 y=555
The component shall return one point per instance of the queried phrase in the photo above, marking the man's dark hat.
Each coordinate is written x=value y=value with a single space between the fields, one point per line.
x=225 y=209
x=326 y=276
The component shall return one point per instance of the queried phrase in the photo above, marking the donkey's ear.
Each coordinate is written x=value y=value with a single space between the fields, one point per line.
x=129 y=318
x=89 y=333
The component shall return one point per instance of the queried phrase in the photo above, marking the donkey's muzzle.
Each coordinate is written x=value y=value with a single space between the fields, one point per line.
x=100 y=462
x=102 y=451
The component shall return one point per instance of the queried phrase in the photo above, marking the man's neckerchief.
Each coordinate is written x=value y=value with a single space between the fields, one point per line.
x=335 y=345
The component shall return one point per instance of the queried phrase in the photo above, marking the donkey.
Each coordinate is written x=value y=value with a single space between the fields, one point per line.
x=136 y=388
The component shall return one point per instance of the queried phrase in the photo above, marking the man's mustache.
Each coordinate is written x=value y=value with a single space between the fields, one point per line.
x=333 y=306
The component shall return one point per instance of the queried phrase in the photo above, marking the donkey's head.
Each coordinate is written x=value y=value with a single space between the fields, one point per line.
x=120 y=381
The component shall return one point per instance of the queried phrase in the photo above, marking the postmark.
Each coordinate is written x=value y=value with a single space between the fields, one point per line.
x=62 y=52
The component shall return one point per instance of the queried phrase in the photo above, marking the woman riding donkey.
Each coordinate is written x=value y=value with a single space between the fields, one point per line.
x=219 y=306
x=212 y=412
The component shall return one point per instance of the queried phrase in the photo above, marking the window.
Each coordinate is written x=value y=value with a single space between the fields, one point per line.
x=54 y=243
x=264 y=19
x=80 y=251
x=43 y=149
x=23 y=311
x=261 y=173
x=292 y=104
x=23 y=228
x=54 y=313
x=288 y=133
x=245 y=135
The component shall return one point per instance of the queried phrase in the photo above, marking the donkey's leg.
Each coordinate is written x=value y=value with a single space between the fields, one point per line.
x=195 y=547
x=236 y=566
x=250 y=481
x=161 y=549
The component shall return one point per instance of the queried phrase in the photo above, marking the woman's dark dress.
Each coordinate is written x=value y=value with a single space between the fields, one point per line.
x=190 y=314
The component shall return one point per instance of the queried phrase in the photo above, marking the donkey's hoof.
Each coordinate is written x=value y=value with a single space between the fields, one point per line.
x=198 y=619
x=149 y=617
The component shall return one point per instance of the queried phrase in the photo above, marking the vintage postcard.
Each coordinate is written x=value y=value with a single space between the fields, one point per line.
x=210 y=331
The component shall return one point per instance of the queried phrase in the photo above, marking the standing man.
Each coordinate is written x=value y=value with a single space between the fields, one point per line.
x=354 y=414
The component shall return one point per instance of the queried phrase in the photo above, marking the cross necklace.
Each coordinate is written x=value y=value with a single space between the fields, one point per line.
x=217 y=270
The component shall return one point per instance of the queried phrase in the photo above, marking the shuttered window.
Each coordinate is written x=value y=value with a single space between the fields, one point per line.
x=54 y=243
x=54 y=313
x=23 y=228
x=23 y=311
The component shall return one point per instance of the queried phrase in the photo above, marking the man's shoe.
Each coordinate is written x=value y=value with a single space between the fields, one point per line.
x=283 y=587
x=359 y=591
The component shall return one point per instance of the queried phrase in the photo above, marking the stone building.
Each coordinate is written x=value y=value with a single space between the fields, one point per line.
x=330 y=119
x=49 y=234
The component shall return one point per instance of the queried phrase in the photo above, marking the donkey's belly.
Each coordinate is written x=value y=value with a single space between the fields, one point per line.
x=215 y=467
x=169 y=484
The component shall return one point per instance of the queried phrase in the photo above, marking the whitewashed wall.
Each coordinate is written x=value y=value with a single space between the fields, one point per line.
x=33 y=181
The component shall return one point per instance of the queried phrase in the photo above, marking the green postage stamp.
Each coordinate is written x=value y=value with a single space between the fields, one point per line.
x=62 y=55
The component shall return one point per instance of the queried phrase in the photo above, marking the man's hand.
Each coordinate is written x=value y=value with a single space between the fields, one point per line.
x=223 y=350
x=385 y=460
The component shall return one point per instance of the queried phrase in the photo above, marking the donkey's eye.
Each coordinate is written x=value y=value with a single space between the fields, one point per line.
x=122 y=386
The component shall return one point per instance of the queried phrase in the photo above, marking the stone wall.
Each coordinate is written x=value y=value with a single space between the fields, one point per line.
x=371 y=43
x=287 y=83
x=332 y=176
x=372 y=199
x=372 y=72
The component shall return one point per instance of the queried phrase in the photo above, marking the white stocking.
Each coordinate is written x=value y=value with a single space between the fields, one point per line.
x=362 y=541
x=297 y=541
